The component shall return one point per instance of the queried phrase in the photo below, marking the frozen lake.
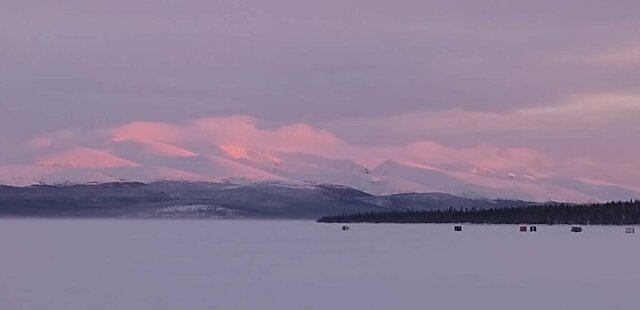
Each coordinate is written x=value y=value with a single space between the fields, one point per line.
x=209 y=264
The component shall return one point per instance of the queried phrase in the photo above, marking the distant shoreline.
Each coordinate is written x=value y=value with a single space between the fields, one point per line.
x=611 y=213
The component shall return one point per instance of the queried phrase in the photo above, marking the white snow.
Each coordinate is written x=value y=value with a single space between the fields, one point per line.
x=214 y=264
x=197 y=209
x=147 y=161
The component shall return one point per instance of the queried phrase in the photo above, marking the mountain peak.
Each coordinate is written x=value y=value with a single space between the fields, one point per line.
x=145 y=161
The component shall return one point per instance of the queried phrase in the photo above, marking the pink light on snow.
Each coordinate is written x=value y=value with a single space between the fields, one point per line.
x=85 y=158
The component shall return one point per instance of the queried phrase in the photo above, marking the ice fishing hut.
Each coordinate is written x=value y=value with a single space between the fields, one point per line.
x=457 y=228
x=345 y=227
x=523 y=228
x=576 y=229
x=630 y=230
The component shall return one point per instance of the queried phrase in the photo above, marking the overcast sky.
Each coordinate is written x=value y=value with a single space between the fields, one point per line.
x=558 y=79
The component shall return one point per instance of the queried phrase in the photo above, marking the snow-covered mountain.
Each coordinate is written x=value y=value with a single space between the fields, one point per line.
x=147 y=161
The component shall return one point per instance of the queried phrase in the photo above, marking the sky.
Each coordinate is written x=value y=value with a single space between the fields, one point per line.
x=537 y=87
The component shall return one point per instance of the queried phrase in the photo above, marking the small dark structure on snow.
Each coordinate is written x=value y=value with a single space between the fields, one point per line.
x=576 y=229
x=630 y=230
x=457 y=228
x=533 y=228
x=345 y=227
x=523 y=228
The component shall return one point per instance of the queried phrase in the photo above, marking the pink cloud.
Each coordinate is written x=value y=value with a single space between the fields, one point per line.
x=146 y=131
x=305 y=137
x=223 y=132
x=243 y=132
x=508 y=159
x=234 y=151
x=54 y=139
x=81 y=157
x=240 y=138
x=158 y=148
x=40 y=142
x=483 y=157
x=236 y=136
x=622 y=56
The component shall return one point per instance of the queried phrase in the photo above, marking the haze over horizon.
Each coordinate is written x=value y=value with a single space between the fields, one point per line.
x=487 y=93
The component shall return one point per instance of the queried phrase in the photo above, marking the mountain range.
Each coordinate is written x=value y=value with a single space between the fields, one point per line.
x=147 y=161
x=176 y=199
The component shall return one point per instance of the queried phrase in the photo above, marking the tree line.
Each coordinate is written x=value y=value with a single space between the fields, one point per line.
x=610 y=213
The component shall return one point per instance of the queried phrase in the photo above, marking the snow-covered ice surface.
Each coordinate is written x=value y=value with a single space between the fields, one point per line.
x=216 y=264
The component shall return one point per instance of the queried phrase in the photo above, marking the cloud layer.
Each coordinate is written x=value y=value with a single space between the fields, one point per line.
x=534 y=88
x=241 y=138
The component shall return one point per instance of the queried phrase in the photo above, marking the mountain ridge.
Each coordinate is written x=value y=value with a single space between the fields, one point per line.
x=177 y=199
x=149 y=161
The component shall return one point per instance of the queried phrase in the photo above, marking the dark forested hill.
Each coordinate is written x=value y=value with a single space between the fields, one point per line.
x=192 y=199
x=438 y=201
x=612 y=213
x=181 y=199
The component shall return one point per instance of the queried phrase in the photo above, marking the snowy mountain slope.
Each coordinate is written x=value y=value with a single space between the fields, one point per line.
x=202 y=167
x=180 y=199
x=312 y=168
x=401 y=176
x=148 y=161
x=421 y=178
x=601 y=192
